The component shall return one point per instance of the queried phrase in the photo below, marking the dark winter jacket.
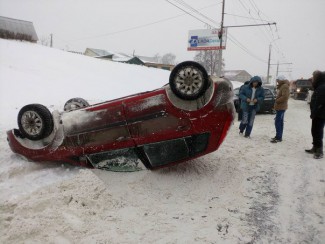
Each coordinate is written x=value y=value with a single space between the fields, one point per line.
x=317 y=102
x=246 y=92
x=282 y=97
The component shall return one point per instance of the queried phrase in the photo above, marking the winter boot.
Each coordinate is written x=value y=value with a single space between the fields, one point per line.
x=318 y=153
x=310 y=151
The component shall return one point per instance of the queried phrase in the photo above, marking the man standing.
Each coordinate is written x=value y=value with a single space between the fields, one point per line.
x=240 y=111
x=280 y=106
x=251 y=96
x=317 y=114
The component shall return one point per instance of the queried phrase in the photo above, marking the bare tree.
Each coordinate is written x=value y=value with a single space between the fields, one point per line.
x=44 y=40
x=157 y=57
x=168 y=58
x=209 y=60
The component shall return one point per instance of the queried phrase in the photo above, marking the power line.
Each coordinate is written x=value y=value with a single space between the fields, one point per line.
x=187 y=12
x=246 y=17
x=140 y=26
x=269 y=33
x=231 y=38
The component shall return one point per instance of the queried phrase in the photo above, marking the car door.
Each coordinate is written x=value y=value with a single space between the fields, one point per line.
x=268 y=100
x=97 y=128
x=150 y=119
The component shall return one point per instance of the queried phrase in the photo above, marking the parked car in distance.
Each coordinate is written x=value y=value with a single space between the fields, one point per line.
x=299 y=88
x=183 y=120
x=266 y=106
x=271 y=87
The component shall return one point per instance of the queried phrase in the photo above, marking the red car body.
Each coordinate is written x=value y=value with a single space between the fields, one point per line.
x=155 y=127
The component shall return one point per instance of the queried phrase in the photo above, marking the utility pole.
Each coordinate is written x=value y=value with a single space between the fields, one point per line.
x=220 y=38
x=268 y=65
x=51 y=43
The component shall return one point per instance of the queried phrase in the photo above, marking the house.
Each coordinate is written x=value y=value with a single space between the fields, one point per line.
x=237 y=75
x=98 y=53
x=125 y=58
x=17 y=29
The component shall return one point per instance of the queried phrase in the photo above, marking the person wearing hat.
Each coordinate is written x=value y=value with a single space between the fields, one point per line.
x=251 y=96
x=317 y=114
x=280 y=106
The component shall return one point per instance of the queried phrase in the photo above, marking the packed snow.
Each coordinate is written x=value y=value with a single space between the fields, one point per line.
x=249 y=191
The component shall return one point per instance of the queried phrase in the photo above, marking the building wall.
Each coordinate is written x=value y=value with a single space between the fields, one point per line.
x=160 y=66
x=243 y=76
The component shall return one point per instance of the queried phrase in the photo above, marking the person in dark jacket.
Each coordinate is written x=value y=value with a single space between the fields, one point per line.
x=240 y=111
x=317 y=114
x=251 y=96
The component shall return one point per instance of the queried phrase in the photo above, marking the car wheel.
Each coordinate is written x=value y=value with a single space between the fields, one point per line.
x=75 y=103
x=189 y=80
x=35 y=122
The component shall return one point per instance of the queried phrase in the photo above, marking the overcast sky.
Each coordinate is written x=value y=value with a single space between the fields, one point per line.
x=148 y=27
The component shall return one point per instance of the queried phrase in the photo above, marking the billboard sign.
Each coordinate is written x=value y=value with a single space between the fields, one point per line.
x=206 y=39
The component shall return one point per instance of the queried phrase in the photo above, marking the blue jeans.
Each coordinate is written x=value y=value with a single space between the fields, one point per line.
x=248 y=120
x=279 y=121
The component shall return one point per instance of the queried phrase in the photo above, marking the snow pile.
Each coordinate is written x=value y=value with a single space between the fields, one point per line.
x=31 y=73
x=249 y=191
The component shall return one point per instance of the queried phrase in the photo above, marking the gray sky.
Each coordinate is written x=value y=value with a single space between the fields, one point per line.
x=148 y=27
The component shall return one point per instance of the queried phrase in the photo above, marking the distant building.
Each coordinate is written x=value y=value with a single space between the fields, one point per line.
x=98 y=53
x=17 y=29
x=237 y=75
x=125 y=58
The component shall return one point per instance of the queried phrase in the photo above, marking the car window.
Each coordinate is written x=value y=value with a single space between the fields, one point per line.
x=115 y=160
x=165 y=152
x=268 y=93
x=303 y=83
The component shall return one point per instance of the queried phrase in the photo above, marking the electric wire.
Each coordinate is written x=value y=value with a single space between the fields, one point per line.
x=230 y=37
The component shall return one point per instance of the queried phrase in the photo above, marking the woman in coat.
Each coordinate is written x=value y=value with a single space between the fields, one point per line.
x=280 y=106
x=317 y=114
x=251 y=96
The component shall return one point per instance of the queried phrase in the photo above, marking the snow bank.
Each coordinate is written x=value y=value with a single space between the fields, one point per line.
x=31 y=73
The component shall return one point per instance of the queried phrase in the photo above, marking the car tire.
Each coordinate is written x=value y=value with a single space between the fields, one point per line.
x=75 y=103
x=189 y=80
x=35 y=122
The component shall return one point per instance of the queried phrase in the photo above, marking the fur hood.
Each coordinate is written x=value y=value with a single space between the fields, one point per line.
x=318 y=78
x=283 y=82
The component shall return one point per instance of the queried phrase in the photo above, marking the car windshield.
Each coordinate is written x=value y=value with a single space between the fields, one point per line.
x=268 y=93
x=304 y=83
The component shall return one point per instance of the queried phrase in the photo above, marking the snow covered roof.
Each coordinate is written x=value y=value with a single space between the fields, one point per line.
x=17 y=27
x=99 y=52
x=233 y=72
x=147 y=59
x=237 y=75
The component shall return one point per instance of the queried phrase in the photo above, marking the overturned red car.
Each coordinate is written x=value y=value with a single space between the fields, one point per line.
x=185 y=119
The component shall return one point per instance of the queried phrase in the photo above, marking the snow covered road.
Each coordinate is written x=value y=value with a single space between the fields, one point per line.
x=249 y=191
